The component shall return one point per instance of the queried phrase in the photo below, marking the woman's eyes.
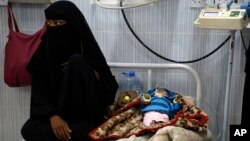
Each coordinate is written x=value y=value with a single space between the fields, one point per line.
x=55 y=22
x=60 y=22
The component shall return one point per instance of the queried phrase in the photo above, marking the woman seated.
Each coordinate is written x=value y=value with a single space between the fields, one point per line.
x=71 y=82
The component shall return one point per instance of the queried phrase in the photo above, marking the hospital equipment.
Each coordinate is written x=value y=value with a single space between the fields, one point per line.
x=229 y=19
x=122 y=4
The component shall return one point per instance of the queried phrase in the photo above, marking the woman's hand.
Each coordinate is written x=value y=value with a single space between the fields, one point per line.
x=97 y=76
x=60 y=128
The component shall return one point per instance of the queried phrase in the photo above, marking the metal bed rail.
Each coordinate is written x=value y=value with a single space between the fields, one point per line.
x=150 y=66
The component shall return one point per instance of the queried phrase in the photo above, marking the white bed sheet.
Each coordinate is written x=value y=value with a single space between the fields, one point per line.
x=173 y=133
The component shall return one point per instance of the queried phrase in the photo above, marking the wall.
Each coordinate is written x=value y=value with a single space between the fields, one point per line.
x=167 y=28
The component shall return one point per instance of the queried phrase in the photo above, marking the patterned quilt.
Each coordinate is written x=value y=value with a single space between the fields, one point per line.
x=128 y=121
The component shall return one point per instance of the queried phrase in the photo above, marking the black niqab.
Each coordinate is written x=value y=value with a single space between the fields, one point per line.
x=62 y=41
x=58 y=44
x=74 y=93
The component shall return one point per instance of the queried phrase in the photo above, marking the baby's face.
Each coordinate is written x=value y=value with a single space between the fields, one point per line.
x=160 y=92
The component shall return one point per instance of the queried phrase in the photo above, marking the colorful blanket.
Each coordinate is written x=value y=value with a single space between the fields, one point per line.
x=127 y=121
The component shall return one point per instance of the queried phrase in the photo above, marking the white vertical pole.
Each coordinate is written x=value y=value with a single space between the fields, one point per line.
x=228 y=85
x=149 y=83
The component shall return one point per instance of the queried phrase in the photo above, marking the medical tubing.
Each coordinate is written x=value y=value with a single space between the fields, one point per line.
x=167 y=59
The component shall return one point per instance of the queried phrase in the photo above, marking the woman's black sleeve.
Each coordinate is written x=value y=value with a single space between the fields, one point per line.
x=41 y=98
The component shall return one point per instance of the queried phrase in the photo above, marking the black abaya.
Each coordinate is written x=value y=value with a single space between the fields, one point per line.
x=72 y=92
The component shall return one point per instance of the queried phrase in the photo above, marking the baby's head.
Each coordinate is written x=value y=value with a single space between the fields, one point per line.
x=159 y=92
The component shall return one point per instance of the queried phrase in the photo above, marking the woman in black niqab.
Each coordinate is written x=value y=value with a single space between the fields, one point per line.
x=71 y=82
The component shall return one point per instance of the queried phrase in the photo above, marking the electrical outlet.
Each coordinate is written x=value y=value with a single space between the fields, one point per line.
x=223 y=4
x=91 y=2
x=220 y=1
x=198 y=3
x=3 y=2
x=210 y=3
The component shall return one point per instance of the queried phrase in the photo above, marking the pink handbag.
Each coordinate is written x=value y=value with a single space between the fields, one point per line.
x=18 y=50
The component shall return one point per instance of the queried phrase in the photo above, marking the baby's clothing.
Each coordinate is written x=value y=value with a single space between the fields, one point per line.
x=163 y=104
x=153 y=116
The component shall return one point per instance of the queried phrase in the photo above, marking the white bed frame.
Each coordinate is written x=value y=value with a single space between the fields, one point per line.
x=150 y=66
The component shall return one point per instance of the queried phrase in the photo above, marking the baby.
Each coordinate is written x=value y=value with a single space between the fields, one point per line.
x=157 y=106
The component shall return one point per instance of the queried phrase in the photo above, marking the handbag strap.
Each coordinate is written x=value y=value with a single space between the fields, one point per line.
x=11 y=19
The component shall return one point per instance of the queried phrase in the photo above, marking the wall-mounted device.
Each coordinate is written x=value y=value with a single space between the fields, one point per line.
x=30 y=1
x=231 y=19
x=3 y=2
x=123 y=4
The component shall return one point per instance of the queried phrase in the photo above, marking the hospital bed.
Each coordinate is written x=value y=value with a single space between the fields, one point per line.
x=168 y=133
x=171 y=133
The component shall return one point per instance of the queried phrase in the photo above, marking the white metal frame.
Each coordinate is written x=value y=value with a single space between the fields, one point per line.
x=150 y=66
x=225 y=128
x=31 y=1
x=103 y=5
